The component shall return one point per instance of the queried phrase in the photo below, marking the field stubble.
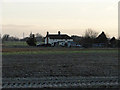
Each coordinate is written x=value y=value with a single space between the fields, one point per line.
x=59 y=62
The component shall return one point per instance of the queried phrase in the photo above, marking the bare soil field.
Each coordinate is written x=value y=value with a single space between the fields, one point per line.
x=18 y=62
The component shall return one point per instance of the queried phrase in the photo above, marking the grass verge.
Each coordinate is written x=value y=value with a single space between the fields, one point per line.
x=59 y=52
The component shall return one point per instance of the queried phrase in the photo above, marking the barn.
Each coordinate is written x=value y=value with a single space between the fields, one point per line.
x=57 y=39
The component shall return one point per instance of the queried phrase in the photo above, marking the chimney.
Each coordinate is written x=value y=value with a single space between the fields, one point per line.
x=58 y=32
x=47 y=33
x=47 y=37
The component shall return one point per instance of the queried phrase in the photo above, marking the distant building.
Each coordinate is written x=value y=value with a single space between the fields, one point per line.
x=113 y=42
x=101 y=40
x=57 y=39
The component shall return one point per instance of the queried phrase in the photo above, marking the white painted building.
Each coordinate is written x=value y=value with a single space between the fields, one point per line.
x=57 y=39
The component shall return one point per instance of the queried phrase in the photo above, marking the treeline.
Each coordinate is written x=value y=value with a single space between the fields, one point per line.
x=7 y=37
x=93 y=39
x=90 y=38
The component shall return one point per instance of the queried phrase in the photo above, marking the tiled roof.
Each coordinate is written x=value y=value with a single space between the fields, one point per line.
x=56 y=36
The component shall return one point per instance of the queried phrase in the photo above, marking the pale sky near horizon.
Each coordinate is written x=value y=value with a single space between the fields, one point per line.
x=72 y=17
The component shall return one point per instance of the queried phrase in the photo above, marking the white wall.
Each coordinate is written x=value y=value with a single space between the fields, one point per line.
x=50 y=41
x=46 y=40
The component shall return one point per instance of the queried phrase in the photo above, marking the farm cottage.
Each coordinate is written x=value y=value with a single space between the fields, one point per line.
x=57 y=39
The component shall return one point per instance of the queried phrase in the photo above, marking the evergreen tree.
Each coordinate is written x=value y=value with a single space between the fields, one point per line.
x=31 y=41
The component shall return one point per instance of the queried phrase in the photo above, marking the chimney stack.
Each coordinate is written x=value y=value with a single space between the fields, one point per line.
x=47 y=33
x=58 y=32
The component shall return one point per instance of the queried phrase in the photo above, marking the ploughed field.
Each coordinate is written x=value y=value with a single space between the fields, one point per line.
x=41 y=62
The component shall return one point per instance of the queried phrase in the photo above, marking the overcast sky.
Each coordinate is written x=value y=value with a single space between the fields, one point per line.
x=68 y=16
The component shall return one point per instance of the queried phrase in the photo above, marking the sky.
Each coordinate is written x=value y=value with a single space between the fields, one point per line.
x=72 y=17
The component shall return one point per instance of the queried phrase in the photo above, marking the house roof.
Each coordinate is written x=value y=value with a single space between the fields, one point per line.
x=56 y=36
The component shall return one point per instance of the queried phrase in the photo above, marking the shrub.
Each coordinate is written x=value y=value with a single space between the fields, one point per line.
x=31 y=41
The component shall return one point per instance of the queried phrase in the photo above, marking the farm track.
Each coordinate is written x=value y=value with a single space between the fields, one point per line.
x=60 y=82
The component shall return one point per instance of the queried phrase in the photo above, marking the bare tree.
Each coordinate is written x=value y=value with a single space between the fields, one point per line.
x=91 y=33
x=89 y=38
x=39 y=37
x=5 y=37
